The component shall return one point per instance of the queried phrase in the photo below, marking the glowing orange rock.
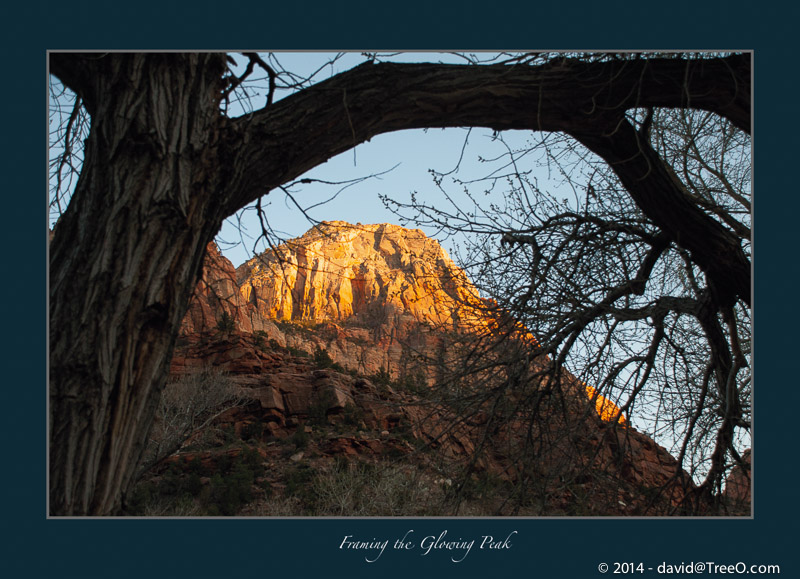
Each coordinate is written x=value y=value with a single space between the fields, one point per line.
x=607 y=410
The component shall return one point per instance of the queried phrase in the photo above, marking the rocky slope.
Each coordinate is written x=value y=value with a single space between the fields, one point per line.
x=306 y=415
x=330 y=344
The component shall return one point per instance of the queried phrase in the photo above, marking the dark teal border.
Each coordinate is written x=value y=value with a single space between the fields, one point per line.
x=304 y=548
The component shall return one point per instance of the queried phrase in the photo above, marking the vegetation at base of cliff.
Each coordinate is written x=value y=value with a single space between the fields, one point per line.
x=261 y=339
x=306 y=328
x=353 y=415
x=329 y=462
x=188 y=488
x=367 y=489
x=295 y=475
x=413 y=382
x=300 y=438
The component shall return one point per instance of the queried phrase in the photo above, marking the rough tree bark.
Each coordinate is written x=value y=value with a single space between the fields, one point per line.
x=164 y=167
x=124 y=259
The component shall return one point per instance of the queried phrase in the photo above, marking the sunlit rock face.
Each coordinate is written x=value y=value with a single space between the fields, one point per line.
x=606 y=409
x=373 y=272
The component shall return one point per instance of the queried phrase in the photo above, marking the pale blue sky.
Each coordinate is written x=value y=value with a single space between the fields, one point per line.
x=406 y=155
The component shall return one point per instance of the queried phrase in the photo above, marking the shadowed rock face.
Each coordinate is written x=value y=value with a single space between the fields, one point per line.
x=738 y=485
x=216 y=293
x=376 y=299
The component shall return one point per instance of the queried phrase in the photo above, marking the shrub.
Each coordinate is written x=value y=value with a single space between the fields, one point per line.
x=318 y=409
x=300 y=438
x=229 y=492
x=381 y=378
x=363 y=489
x=192 y=484
x=260 y=339
x=186 y=406
x=228 y=434
x=224 y=463
x=196 y=466
x=142 y=495
x=297 y=353
x=253 y=431
x=413 y=382
x=299 y=484
x=322 y=359
x=252 y=460
x=226 y=323
x=353 y=415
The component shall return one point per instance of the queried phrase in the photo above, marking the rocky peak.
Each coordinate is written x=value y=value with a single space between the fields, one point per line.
x=373 y=297
x=338 y=271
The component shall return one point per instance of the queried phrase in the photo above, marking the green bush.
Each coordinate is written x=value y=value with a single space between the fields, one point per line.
x=196 y=466
x=300 y=438
x=193 y=485
x=318 y=409
x=260 y=339
x=143 y=494
x=170 y=481
x=381 y=378
x=297 y=353
x=413 y=382
x=252 y=460
x=224 y=463
x=253 y=431
x=353 y=415
x=322 y=359
x=229 y=492
x=180 y=491
x=226 y=323
x=299 y=483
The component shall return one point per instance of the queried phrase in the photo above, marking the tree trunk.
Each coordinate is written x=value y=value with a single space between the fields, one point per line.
x=123 y=262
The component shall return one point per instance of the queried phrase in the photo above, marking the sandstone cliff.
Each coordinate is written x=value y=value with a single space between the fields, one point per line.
x=216 y=294
x=328 y=329
x=372 y=296
x=376 y=298
x=339 y=271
